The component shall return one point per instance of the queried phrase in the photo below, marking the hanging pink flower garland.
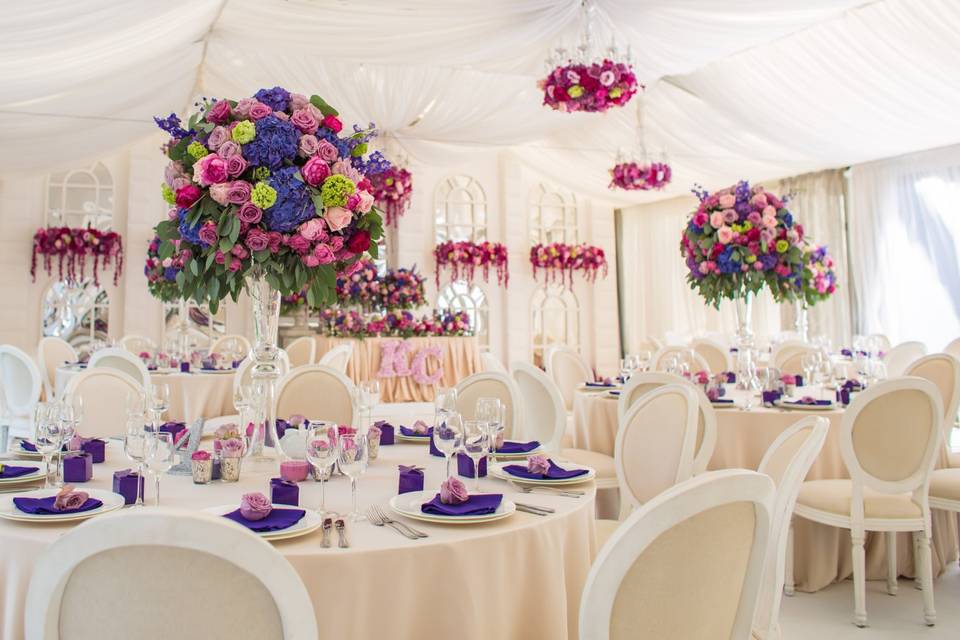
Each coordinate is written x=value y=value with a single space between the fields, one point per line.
x=560 y=260
x=464 y=257
x=633 y=176
x=73 y=246
x=392 y=191
x=593 y=88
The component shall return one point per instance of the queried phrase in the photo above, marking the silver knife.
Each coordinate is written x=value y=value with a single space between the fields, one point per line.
x=535 y=507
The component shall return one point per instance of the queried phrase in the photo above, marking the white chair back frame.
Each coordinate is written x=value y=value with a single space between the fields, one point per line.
x=515 y=428
x=549 y=392
x=121 y=360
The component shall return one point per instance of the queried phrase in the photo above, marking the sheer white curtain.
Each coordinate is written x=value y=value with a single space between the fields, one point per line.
x=905 y=246
x=655 y=298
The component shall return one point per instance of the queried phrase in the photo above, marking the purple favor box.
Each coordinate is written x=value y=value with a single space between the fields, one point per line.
x=185 y=367
x=465 y=465
x=96 y=448
x=78 y=468
x=284 y=492
x=769 y=397
x=386 y=432
x=411 y=479
x=125 y=483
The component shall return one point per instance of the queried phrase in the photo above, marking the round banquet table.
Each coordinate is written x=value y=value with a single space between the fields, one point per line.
x=192 y=395
x=821 y=553
x=520 y=577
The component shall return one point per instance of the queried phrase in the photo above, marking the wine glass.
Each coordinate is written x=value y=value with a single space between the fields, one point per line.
x=159 y=402
x=70 y=414
x=672 y=365
x=136 y=405
x=476 y=444
x=159 y=457
x=323 y=448
x=368 y=397
x=624 y=369
x=448 y=436
x=488 y=411
x=46 y=436
x=352 y=460
x=134 y=445
x=643 y=360
x=445 y=402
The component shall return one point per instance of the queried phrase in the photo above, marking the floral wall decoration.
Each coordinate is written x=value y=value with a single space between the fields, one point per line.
x=463 y=258
x=400 y=288
x=559 y=261
x=400 y=324
x=392 y=190
x=72 y=248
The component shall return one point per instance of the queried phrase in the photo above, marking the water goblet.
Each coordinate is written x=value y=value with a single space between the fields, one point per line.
x=46 y=436
x=323 y=449
x=159 y=402
x=159 y=457
x=448 y=436
x=352 y=460
x=368 y=397
x=476 y=444
x=488 y=411
x=134 y=446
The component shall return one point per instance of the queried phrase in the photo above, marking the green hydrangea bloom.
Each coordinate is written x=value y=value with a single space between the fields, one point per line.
x=261 y=173
x=263 y=195
x=244 y=132
x=575 y=91
x=782 y=246
x=197 y=150
x=335 y=191
x=168 y=195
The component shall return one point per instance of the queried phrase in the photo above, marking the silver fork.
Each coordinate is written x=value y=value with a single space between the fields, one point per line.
x=377 y=520
x=388 y=520
x=569 y=493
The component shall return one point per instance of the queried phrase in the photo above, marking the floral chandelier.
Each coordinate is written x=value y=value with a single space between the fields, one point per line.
x=589 y=78
x=636 y=171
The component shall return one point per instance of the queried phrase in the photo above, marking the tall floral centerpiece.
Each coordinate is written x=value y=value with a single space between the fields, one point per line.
x=739 y=240
x=161 y=274
x=817 y=283
x=270 y=196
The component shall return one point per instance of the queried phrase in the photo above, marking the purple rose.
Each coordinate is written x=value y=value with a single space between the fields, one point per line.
x=218 y=136
x=243 y=107
x=538 y=464
x=239 y=191
x=453 y=491
x=299 y=244
x=255 y=506
x=219 y=192
x=307 y=146
x=257 y=240
x=69 y=499
x=250 y=213
x=298 y=101
x=327 y=151
x=208 y=233
x=228 y=149
x=231 y=448
x=219 y=112
x=259 y=111
x=303 y=120
x=236 y=165
x=171 y=172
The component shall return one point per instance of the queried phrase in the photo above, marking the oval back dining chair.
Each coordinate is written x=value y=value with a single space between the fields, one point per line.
x=237 y=582
x=715 y=354
x=137 y=344
x=104 y=393
x=899 y=358
x=302 y=351
x=492 y=385
x=685 y=565
x=694 y=360
x=317 y=392
x=491 y=364
x=20 y=384
x=568 y=370
x=234 y=343
x=953 y=348
x=943 y=370
x=788 y=356
x=121 y=360
x=338 y=358
x=52 y=353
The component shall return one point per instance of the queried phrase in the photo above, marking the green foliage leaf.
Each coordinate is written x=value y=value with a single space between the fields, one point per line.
x=325 y=108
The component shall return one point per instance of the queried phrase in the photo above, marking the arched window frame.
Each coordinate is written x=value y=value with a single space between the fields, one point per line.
x=564 y=228
x=454 y=192
x=461 y=295
x=96 y=210
x=76 y=312
x=542 y=295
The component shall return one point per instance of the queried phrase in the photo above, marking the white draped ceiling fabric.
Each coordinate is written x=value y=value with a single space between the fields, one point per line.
x=744 y=88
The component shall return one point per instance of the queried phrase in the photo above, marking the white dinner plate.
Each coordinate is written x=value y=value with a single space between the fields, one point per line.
x=111 y=502
x=806 y=407
x=590 y=389
x=408 y=505
x=723 y=405
x=310 y=522
x=518 y=456
x=400 y=436
x=213 y=371
x=30 y=477
x=18 y=451
x=498 y=472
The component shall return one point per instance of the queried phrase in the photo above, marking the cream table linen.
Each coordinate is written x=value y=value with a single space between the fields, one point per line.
x=192 y=395
x=461 y=358
x=517 y=578
x=822 y=553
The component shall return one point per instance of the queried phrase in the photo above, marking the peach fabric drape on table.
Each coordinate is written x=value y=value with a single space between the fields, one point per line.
x=461 y=358
x=821 y=553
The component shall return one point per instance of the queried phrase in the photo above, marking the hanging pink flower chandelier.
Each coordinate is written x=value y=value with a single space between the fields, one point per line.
x=640 y=176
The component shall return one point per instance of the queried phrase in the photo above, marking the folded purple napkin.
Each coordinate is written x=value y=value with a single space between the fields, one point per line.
x=807 y=403
x=554 y=473
x=44 y=506
x=510 y=446
x=477 y=505
x=721 y=401
x=769 y=397
x=599 y=384
x=26 y=445
x=410 y=433
x=15 y=472
x=278 y=519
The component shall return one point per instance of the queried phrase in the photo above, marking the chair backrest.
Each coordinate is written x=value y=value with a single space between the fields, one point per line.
x=881 y=340
x=786 y=462
x=643 y=383
x=889 y=436
x=683 y=354
x=953 y=348
x=53 y=352
x=899 y=358
x=491 y=363
x=104 y=392
x=121 y=360
x=491 y=385
x=568 y=370
x=238 y=584
x=943 y=370
x=319 y=393
x=685 y=565
x=788 y=356
x=543 y=404
x=656 y=442
x=244 y=373
x=232 y=342
x=302 y=351
x=137 y=344
x=338 y=358
x=20 y=382
x=715 y=354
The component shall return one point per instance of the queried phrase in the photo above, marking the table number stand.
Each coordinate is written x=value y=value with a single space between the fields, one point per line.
x=186 y=448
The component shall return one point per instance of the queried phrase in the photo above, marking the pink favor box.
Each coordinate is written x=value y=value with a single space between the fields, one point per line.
x=294 y=470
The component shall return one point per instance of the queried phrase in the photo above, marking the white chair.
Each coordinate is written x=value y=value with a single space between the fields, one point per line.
x=787 y=462
x=302 y=351
x=686 y=565
x=694 y=360
x=235 y=343
x=881 y=340
x=121 y=360
x=137 y=344
x=899 y=358
x=53 y=352
x=20 y=384
x=715 y=354
x=788 y=356
x=568 y=370
x=104 y=392
x=492 y=385
x=491 y=364
x=317 y=392
x=225 y=579
x=953 y=348
x=338 y=358
x=889 y=437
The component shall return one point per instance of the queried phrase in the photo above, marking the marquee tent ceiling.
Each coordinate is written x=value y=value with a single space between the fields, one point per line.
x=739 y=88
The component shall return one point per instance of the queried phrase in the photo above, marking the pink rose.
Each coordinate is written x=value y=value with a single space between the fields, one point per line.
x=323 y=254
x=311 y=260
x=538 y=464
x=68 y=499
x=729 y=216
x=276 y=241
x=453 y=491
x=200 y=455
x=336 y=243
x=759 y=201
x=769 y=222
x=281 y=115
x=701 y=219
x=725 y=234
x=228 y=149
x=716 y=219
x=257 y=240
x=315 y=171
x=312 y=228
x=241 y=253
x=218 y=113
x=210 y=169
x=307 y=146
x=303 y=120
x=298 y=101
x=337 y=218
x=259 y=111
x=753 y=218
x=366 y=202
x=344 y=168
x=239 y=191
x=727 y=200
x=299 y=244
x=219 y=257
x=219 y=192
x=235 y=265
x=769 y=211
x=242 y=110
x=255 y=506
x=327 y=151
x=333 y=123
x=208 y=233
x=217 y=137
x=236 y=165
x=180 y=182
x=250 y=213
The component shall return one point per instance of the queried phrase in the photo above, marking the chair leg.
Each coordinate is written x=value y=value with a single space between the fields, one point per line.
x=859 y=579
x=917 y=582
x=925 y=569
x=788 y=583
x=890 y=538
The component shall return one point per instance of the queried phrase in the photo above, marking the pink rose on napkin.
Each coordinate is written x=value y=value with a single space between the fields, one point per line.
x=419 y=427
x=538 y=464
x=231 y=448
x=296 y=420
x=70 y=499
x=226 y=431
x=807 y=400
x=452 y=491
x=255 y=506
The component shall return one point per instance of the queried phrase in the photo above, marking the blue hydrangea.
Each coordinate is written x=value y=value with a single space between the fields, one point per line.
x=277 y=98
x=188 y=233
x=788 y=219
x=170 y=273
x=293 y=206
x=769 y=261
x=275 y=142
x=726 y=263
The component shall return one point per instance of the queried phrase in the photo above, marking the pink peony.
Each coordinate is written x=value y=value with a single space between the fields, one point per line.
x=210 y=169
x=299 y=244
x=217 y=137
x=336 y=243
x=257 y=240
x=311 y=260
x=337 y=218
x=255 y=506
x=326 y=151
x=200 y=455
x=700 y=219
x=453 y=491
x=303 y=120
x=250 y=213
x=538 y=464
x=727 y=200
x=308 y=145
x=187 y=195
x=315 y=171
x=239 y=191
x=259 y=111
x=312 y=229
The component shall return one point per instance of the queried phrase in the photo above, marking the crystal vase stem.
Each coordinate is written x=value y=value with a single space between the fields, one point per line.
x=266 y=358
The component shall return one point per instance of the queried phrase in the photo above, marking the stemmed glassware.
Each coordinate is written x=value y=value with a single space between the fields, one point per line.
x=448 y=436
x=643 y=360
x=135 y=445
x=352 y=460
x=323 y=449
x=489 y=412
x=70 y=414
x=47 y=435
x=159 y=402
x=368 y=397
x=444 y=403
x=476 y=444
x=159 y=457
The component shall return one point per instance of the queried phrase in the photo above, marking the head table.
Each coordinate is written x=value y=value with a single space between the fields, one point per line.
x=520 y=577
x=821 y=553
